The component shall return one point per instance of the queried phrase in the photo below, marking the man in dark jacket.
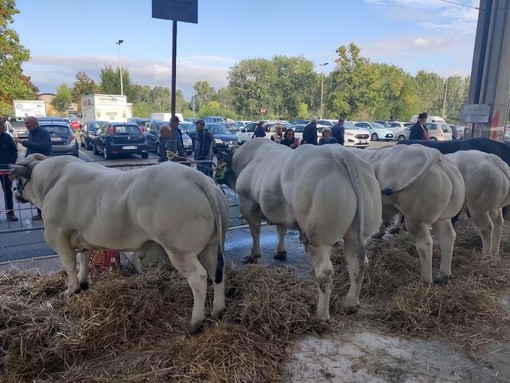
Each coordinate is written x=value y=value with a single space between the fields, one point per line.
x=170 y=141
x=310 y=132
x=259 y=130
x=338 y=131
x=204 y=141
x=418 y=131
x=38 y=141
x=8 y=155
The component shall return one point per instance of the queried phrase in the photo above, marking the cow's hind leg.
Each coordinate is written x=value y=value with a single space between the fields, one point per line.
x=191 y=268
x=214 y=263
x=498 y=222
x=419 y=233
x=281 y=254
x=83 y=275
x=485 y=228
x=253 y=215
x=320 y=259
x=356 y=271
x=446 y=237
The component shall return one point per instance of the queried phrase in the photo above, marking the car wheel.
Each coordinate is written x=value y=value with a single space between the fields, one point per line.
x=374 y=137
x=88 y=145
x=433 y=139
x=401 y=138
x=95 y=151
x=145 y=155
x=157 y=149
x=106 y=155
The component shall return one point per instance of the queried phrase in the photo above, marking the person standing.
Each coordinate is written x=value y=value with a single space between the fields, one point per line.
x=418 y=131
x=38 y=141
x=327 y=138
x=338 y=131
x=289 y=139
x=278 y=134
x=8 y=156
x=204 y=142
x=259 y=130
x=310 y=132
x=170 y=140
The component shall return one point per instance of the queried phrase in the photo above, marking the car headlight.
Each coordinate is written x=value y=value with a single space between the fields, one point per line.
x=188 y=142
x=218 y=141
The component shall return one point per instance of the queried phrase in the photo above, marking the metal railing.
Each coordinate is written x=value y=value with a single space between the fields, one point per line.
x=26 y=211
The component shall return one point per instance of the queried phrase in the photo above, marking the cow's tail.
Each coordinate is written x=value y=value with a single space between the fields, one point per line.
x=213 y=197
x=433 y=157
x=352 y=168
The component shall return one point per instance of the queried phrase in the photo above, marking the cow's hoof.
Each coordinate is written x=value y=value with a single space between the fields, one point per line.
x=218 y=315
x=443 y=280
x=254 y=258
x=280 y=255
x=84 y=286
x=351 y=309
x=195 y=328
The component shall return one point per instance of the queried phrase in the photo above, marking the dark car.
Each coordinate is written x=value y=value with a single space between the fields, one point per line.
x=120 y=138
x=141 y=122
x=62 y=136
x=223 y=138
x=88 y=132
x=152 y=135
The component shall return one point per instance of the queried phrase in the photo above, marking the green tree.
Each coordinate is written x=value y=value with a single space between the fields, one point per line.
x=204 y=93
x=13 y=84
x=83 y=85
x=430 y=93
x=110 y=82
x=62 y=99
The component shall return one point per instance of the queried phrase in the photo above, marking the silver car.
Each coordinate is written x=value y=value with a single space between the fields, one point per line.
x=377 y=131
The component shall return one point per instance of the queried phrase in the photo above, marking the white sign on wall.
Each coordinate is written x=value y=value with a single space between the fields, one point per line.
x=476 y=113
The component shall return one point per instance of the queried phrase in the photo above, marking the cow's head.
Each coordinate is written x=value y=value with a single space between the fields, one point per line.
x=224 y=173
x=21 y=173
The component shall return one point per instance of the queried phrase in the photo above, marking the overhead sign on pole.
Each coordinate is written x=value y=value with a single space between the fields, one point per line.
x=177 y=10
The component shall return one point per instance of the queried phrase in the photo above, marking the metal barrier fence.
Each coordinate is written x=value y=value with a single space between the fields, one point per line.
x=26 y=211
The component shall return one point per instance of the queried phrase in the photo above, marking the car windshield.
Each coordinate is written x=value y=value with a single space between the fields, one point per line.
x=127 y=129
x=349 y=125
x=376 y=125
x=185 y=126
x=56 y=130
x=299 y=128
x=218 y=129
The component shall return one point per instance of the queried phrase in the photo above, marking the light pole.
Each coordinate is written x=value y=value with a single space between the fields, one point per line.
x=444 y=100
x=322 y=86
x=120 y=69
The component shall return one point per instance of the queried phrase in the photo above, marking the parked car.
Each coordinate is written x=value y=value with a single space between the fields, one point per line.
x=88 y=132
x=238 y=125
x=223 y=138
x=152 y=135
x=246 y=133
x=355 y=137
x=140 y=121
x=120 y=138
x=209 y=119
x=75 y=125
x=63 y=140
x=400 y=129
x=18 y=124
x=376 y=130
x=457 y=131
x=327 y=122
x=439 y=131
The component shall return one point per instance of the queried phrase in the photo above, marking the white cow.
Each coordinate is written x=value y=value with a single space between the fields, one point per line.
x=428 y=190
x=326 y=192
x=487 y=179
x=170 y=204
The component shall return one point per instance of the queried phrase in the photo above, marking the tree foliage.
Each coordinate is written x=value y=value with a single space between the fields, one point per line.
x=62 y=99
x=82 y=86
x=13 y=84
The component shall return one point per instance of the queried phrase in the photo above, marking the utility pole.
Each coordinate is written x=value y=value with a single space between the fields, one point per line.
x=120 y=69
x=322 y=87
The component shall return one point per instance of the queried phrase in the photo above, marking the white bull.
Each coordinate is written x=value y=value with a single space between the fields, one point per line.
x=428 y=190
x=326 y=192
x=487 y=179
x=170 y=204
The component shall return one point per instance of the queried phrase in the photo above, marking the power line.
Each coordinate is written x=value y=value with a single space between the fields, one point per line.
x=462 y=5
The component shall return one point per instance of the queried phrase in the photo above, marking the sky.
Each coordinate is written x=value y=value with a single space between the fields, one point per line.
x=70 y=36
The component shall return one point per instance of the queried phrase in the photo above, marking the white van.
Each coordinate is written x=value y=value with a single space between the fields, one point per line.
x=429 y=119
x=165 y=116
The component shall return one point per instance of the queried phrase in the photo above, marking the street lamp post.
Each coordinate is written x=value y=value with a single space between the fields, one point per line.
x=120 y=69
x=322 y=86
x=445 y=93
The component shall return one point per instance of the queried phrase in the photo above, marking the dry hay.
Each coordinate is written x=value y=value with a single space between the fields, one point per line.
x=131 y=328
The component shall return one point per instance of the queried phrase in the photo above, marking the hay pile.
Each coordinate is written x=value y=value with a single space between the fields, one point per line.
x=131 y=328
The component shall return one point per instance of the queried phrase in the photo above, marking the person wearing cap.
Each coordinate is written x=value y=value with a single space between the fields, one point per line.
x=170 y=140
x=310 y=132
x=204 y=141
x=338 y=131
x=418 y=131
x=8 y=156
